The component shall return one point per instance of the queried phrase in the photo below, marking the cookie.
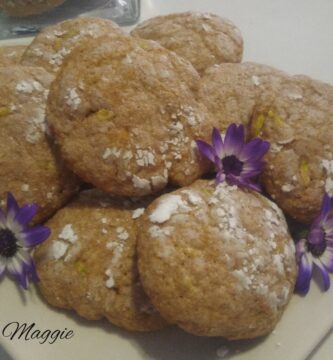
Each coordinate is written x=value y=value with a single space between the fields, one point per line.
x=217 y=260
x=54 y=43
x=298 y=122
x=30 y=166
x=231 y=91
x=203 y=39
x=89 y=263
x=11 y=55
x=125 y=116
x=28 y=7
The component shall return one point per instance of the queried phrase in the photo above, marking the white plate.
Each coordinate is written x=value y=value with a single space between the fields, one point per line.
x=305 y=322
x=295 y=36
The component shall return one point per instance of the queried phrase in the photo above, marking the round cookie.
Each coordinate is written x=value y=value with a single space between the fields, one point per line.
x=124 y=113
x=203 y=39
x=51 y=46
x=11 y=55
x=30 y=167
x=231 y=91
x=28 y=7
x=217 y=260
x=297 y=120
x=89 y=263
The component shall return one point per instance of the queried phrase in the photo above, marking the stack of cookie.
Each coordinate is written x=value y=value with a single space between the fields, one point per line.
x=123 y=114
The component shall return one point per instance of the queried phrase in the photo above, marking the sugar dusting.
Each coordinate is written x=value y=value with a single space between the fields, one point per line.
x=59 y=247
x=166 y=208
x=247 y=255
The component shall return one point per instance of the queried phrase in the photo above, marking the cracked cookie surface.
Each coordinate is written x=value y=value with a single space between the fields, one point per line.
x=205 y=260
x=203 y=39
x=88 y=264
x=124 y=113
x=54 y=43
x=30 y=166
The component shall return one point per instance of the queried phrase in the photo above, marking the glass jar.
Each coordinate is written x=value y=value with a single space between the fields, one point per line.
x=27 y=17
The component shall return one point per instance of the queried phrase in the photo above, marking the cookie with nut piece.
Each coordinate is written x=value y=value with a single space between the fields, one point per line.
x=124 y=113
x=217 y=260
x=89 y=262
x=297 y=120
x=232 y=91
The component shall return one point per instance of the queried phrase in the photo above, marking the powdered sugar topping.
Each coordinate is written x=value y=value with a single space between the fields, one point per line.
x=137 y=213
x=72 y=99
x=166 y=208
x=60 y=246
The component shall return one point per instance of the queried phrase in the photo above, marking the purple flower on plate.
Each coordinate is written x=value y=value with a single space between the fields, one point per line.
x=317 y=249
x=236 y=162
x=16 y=238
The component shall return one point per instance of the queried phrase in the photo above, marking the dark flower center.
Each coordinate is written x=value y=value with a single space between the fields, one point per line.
x=232 y=165
x=319 y=247
x=8 y=243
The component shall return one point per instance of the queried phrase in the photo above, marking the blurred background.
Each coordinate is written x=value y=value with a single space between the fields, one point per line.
x=27 y=17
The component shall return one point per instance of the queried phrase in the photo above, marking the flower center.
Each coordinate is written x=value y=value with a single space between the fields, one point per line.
x=232 y=165
x=8 y=243
x=319 y=247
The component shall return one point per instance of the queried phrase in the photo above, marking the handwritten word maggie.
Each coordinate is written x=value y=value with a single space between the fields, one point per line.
x=15 y=330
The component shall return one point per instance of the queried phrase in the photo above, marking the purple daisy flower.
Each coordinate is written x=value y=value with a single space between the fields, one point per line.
x=317 y=249
x=236 y=162
x=16 y=238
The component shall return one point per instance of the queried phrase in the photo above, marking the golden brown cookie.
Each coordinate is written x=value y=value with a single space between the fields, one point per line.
x=54 y=43
x=30 y=167
x=293 y=113
x=297 y=119
x=203 y=39
x=89 y=263
x=124 y=113
x=11 y=55
x=231 y=91
x=28 y=7
x=217 y=260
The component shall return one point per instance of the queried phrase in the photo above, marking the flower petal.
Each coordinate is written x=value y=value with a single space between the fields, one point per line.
x=304 y=275
x=328 y=225
x=33 y=273
x=327 y=258
x=12 y=208
x=242 y=182
x=325 y=206
x=23 y=278
x=17 y=269
x=25 y=214
x=218 y=163
x=217 y=142
x=3 y=262
x=220 y=177
x=324 y=274
x=34 y=236
x=251 y=169
x=22 y=268
x=300 y=247
x=206 y=150
x=254 y=150
x=234 y=140
x=2 y=220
